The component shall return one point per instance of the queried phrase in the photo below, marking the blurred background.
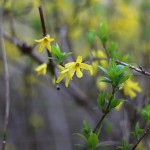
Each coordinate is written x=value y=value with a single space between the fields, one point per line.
x=41 y=117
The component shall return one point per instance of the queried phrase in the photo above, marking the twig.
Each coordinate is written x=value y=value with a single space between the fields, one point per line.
x=140 y=69
x=6 y=79
x=24 y=48
x=51 y=63
x=105 y=112
x=140 y=139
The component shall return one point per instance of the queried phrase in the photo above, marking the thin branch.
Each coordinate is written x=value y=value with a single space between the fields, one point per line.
x=24 y=48
x=140 y=69
x=140 y=139
x=105 y=112
x=51 y=63
x=6 y=79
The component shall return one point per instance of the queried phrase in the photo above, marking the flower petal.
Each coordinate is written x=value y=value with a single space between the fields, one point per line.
x=61 y=67
x=79 y=73
x=79 y=59
x=70 y=65
x=71 y=73
x=51 y=39
x=87 y=67
x=60 y=78
x=48 y=45
x=67 y=80
x=42 y=45
x=64 y=71
x=40 y=40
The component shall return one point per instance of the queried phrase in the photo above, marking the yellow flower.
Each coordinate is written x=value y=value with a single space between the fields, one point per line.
x=72 y=67
x=119 y=106
x=130 y=88
x=77 y=66
x=101 y=85
x=45 y=42
x=64 y=73
x=41 y=69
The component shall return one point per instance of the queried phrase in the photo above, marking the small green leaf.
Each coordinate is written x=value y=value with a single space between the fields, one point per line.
x=101 y=99
x=81 y=135
x=112 y=65
x=103 y=69
x=115 y=103
x=91 y=36
x=86 y=128
x=56 y=51
x=122 y=68
x=93 y=141
x=105 y=79
x=103 y=33
x=123 y=78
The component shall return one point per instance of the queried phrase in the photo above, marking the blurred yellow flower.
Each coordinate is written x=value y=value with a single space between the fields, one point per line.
x=101 y=85
x=119 y=106
x=64 y=73
x=102 y=60
x=130 y=88
x=126 y=20
x=45 y=42
x=41 y=69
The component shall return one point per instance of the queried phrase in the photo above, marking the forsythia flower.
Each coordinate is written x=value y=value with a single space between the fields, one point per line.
x=45 y=42
x=130 y=88
x=77 y=66
x=41 y=69
x=72 y=67
x=64 y=73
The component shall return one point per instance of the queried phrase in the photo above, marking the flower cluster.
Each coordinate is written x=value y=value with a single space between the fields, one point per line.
x=44 y=42
x=68 y=70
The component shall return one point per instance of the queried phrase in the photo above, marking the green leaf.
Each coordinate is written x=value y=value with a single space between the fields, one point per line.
x=123 y=78
x=91 y=36
x=56 y=51
x=103 y=69
x=112 y=65
x=137 y=126
x=93 y=141
x=103 y=33
x=66 y=54
x=115 y=103
x=121 y=68
x=105 y=79
x=86 y=128
x=101 y=99
x=81 y=135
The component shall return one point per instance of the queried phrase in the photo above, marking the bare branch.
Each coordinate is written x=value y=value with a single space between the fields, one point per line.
x=140 y=69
